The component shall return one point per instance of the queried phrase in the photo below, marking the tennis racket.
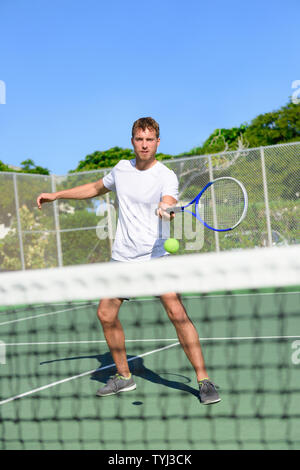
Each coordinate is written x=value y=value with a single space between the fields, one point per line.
x=220 y=206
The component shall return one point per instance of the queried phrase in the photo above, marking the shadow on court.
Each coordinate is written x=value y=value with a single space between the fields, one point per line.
x=137 y=368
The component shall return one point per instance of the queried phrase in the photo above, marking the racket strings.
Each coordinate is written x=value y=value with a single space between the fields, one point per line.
x=222 y=204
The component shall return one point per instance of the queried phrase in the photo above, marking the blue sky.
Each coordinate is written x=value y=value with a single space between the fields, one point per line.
x=78 y=73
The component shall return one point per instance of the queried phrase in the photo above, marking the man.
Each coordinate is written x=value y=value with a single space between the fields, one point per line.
x=140 y=184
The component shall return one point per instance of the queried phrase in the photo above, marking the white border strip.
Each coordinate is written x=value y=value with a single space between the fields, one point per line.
x=208 y=272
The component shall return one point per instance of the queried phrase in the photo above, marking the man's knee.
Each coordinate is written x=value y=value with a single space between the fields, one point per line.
x=108 y=310
x=174 y=308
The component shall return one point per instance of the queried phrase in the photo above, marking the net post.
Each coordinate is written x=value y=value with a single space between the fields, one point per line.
x=56 y=223
x=211 y=177
x=19 y=225
x=266 y=197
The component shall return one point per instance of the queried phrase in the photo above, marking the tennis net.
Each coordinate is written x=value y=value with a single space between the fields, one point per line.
x=54 y=357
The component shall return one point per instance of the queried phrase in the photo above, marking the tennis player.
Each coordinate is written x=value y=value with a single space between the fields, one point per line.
x=140 y=184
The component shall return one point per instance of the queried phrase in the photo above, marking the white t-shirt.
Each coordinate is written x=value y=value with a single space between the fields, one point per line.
x=140 y=232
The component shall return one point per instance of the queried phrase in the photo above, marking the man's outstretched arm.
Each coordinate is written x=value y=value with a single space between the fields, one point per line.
x=86 y=191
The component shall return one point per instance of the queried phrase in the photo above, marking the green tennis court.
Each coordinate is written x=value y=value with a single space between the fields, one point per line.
x=55 y=358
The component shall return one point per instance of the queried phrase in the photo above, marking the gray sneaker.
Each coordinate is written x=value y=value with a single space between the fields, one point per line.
x=208 y=393
x=117 y=384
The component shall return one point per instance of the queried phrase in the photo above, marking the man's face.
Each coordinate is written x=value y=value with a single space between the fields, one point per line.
x=145 y=144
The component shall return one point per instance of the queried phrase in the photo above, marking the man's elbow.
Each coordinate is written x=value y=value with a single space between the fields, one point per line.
x=100 y=188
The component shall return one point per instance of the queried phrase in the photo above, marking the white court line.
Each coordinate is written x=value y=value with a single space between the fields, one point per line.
x=57 y=343
x=37 y=306
x=40 y=315
x=227 y=295
x=68 y=379
x=151 y=340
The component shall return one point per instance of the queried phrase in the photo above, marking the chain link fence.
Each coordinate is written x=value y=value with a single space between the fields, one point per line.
x=70 y=232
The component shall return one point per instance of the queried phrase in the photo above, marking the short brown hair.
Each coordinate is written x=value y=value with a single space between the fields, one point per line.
x=146 y=123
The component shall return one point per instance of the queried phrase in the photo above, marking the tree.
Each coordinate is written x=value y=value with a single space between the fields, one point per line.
x=275 y=127
x=104 y=159
x=4 y=167
x=272 y=128
x=38 y=252
x=28 y=166
x=109 y=158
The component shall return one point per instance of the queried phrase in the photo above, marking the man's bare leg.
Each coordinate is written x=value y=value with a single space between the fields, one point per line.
x=108 y=311
x=186 y=332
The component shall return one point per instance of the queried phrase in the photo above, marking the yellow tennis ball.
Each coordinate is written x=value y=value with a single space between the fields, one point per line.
x=171 y=245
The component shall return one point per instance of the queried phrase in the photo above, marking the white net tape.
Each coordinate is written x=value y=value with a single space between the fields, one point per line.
x=209 y=272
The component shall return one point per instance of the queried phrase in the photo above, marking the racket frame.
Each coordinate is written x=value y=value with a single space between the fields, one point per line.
x=178 y=209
